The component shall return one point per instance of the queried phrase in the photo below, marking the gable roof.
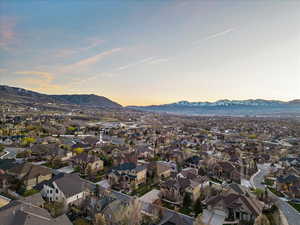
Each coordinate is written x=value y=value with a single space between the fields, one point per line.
x=30 y=170
x=21 y=213
x=71 y=184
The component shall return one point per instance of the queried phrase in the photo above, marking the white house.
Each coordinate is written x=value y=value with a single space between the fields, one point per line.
x=68 y=188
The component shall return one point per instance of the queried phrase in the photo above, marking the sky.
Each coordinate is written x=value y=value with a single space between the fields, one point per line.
x=144 y=52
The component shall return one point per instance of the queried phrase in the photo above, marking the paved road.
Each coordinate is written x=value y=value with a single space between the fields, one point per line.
x=291 y=214
x=11 y=152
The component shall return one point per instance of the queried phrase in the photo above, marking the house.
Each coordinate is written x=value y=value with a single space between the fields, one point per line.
x=30 y=175
x=67 y=188
x=289 y=184
x=21 y=212
x=236 y=204
x=51 y=152
x=121 y=157
x=174 y=189
x=109 y=205
x=144 y=152
x=159 y=169
x=194 y=162
x=152 y=197
x=88 y=163
x=127 y=176
x=170 y=217
x=225 y=170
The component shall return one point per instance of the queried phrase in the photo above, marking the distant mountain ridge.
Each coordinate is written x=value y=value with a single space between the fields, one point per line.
x=226 y=102
x=227 y=107
x=8 y=93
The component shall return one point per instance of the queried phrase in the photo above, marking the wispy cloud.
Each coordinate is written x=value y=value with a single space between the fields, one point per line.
x=7 y=31
x=149 y=60
x=215 y=35
x=139 y=62
x=159 y=60
x=39 y=81
x=91 y=43
x=45 y=75
x=84 y=63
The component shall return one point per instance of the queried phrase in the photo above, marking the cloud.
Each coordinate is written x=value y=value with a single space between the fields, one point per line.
x=92 y=43
x=143 y=61
x=159 y=60
x=84 y=63
x=215 y=35
x=45 y=75
x=39 y=81
x=7 y=33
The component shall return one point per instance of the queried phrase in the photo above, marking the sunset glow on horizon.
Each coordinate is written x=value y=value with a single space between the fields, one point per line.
x=156 y=52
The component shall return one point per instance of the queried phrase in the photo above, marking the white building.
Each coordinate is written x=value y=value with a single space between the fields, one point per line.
x=68 y=188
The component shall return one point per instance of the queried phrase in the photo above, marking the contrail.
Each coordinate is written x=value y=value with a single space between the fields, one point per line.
x=219 y=34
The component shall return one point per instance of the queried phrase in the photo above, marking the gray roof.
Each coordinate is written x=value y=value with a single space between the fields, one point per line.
x=22 y=213
x=35 y=199
x=71 y=184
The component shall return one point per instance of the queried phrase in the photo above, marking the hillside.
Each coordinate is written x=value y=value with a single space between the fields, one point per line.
x=20 y=95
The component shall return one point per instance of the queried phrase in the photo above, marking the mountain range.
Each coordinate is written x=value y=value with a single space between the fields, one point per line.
x=20 y=95
x=221 y=107
x=227 y=107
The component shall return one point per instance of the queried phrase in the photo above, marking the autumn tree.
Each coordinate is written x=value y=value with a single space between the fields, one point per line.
x=99 y=220
x=199 y=221
x=262 y=220
x=131 y=214
x=198 y=206
x=78 y=150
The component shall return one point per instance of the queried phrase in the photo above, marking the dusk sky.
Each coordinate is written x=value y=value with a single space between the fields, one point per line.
x=141 y=52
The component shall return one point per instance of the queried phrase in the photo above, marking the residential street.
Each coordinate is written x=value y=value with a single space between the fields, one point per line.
x=291 y=214
x=11 y=153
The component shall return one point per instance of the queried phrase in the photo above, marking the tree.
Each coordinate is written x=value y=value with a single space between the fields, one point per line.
x=198 y=206
x=186 y=200
x=1 y=148
x=262 y=220
x=97 y=191
x=131 y=214
x=198 y=221
x=78 y=150
x=27 y=141
x=81 y=221
x=99 y=219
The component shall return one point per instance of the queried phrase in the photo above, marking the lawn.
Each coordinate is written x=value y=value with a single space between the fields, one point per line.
x=143 y=189
x=274 y=191
x=295 y=205
x=186 y=211
x=30 y=192
x=168 y=205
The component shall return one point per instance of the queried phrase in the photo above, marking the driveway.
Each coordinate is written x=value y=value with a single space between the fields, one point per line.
x=11 y=152
x=291 y=214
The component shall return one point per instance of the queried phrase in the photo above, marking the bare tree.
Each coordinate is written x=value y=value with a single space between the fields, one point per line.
x=99 y=220
x=199 y=221
x=262 y=220
x=131 y=214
